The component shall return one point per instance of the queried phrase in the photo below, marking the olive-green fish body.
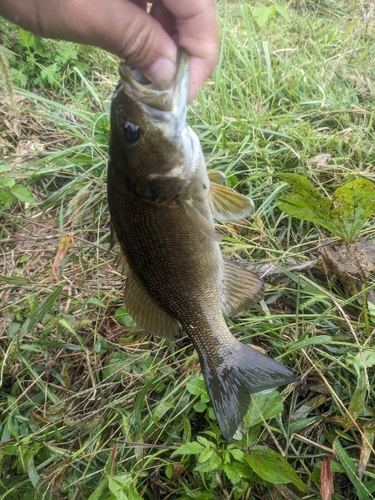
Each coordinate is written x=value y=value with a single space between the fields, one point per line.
x=161 y=201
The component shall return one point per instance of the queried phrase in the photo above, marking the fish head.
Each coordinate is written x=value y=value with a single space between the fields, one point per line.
x=151 y=146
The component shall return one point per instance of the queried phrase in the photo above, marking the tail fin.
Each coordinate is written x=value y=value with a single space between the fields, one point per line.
x=240 y=374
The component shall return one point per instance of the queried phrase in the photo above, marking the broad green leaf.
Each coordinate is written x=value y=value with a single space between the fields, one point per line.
x=200 y=407
x=121 y=483
x=22 y=193
x=118 y=361
x=26 y=38
x=232 y=473
x=283 y=11
x=305 y=202
x=205 y=442
x=205 y=455
x=362 y=492
x=237 y=454
x=213 y=463
x=361 y=360
x=352 y=204
x=302 y=423
x=33 y=475
x=6 y=198
x=7 y=181
x=272 y=467
x=261 y=14
x=123 y=317
x=344 y=215
x=357 y=403
x=193 y=448
x=196 y=386
x=366 y=445
x=267 y=402
x=120 y=487
x=19 y=76
x=99 y=491
x=132 y=495
x=95 y=302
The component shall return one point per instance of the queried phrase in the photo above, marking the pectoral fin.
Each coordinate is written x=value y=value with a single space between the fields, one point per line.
x=122 y=264
x=112 y=235
x=200 y=222
x=120 y=260
x=242 y=289
x=228 y=205
x=146 y=312
x=216 y=176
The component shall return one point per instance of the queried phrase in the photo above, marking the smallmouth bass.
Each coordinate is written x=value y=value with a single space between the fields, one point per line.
x=162 y=202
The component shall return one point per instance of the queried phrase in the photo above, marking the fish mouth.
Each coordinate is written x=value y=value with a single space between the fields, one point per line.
x=172 y=100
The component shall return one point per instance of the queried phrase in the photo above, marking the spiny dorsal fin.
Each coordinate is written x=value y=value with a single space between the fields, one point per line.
x=216 y=176
x=242 y=288
x=227 y=205
x=200 y=221
x=146 y=312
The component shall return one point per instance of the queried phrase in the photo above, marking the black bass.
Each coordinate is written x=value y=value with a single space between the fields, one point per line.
x=162 y=201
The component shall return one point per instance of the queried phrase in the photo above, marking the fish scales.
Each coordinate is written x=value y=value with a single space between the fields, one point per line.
x=161 y=200
x=180 y=282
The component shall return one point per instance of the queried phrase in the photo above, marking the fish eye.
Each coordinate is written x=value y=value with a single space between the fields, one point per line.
x=131 y=131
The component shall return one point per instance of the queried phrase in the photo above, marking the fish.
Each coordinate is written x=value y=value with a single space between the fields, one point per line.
x=162 y=203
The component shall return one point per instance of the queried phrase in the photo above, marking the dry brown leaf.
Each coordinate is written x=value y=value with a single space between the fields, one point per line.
x=367 y=442
x=351 y=263
x=320 y=160
x=326 y=481
x=65 y=243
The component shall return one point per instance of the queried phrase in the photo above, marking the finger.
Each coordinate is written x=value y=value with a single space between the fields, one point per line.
x=198 y=34
x=164 y=17
x=118 y=26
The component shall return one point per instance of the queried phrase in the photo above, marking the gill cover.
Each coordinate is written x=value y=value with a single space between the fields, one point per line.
x=149 y=142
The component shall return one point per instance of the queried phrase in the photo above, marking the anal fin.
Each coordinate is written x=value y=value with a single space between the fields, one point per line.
x=146 y=312
x=242 y=288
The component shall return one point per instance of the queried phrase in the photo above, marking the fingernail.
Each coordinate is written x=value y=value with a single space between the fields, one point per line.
x=161 y=72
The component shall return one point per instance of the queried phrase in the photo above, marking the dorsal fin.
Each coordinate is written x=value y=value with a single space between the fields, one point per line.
x=200 y=222
x=227 y=205
x=146 y=312
x=242 y=288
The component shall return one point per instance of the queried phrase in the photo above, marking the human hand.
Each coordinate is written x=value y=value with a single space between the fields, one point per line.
x=147 y=41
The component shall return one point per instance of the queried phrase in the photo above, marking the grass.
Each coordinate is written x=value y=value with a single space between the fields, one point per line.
x=93 y=407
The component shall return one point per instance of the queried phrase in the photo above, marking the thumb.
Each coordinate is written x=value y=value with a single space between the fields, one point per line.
x=141 y=40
